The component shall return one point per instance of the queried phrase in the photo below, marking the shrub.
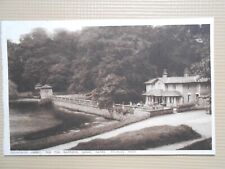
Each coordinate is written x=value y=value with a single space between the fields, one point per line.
x=123 y=111
x=13 y=94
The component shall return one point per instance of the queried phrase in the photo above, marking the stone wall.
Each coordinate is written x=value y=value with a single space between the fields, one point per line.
x=90 y=107
x=82 y=108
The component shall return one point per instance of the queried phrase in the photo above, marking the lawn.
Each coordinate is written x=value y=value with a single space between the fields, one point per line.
x=200 y=145
x=142 y=139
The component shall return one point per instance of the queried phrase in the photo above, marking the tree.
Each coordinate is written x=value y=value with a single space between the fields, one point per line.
x=112 y=63
x=59 y=76
x=202 y=49
x=12 y=90
x=113 y=90
x=15 y=64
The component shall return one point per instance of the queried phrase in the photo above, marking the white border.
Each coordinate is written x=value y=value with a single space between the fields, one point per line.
x=6 y=131
x=111 y=22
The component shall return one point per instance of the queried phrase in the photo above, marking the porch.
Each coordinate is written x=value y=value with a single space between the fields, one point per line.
x=164 y=98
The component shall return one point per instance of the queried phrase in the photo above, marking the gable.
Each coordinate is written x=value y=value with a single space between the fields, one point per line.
x=159 y=84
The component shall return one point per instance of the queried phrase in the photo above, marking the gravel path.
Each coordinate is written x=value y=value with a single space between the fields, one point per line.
x=198 y=120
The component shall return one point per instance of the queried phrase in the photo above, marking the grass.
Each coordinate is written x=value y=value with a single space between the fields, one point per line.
x=142 y=139
x=200 y=145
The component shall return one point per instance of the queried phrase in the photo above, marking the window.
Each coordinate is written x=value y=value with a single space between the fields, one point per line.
x=166 y=87
x=189 y=97
x=196 y=95
x=160 y=99
x=164 y=99
x=174 y=86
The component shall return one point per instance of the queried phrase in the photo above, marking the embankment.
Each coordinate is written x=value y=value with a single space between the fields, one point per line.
x=82 y=108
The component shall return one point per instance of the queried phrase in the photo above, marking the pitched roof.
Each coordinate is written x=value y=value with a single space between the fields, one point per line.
x=162 y=93
x=188 y=79
x=38 y=85
x=46 y=87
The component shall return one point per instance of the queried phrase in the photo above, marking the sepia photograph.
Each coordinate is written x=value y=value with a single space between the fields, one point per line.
x=113 y=87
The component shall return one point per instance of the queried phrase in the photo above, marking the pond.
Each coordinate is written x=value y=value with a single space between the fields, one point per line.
x=30 y=121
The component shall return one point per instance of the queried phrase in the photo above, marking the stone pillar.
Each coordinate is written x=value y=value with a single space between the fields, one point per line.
x=175 y=101
x=146 y=99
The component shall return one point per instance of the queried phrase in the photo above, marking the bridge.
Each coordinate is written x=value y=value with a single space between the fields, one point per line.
x=73 y=103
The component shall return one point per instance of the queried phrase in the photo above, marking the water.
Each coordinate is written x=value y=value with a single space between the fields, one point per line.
x=30 y=121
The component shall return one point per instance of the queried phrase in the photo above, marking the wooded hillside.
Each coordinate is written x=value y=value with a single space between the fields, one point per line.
x=112 y=63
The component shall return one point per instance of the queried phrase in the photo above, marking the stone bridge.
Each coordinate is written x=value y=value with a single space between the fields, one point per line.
x=83 y=105
x=91 y=107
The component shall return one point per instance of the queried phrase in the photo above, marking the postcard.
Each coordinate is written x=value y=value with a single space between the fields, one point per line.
x=109 y=87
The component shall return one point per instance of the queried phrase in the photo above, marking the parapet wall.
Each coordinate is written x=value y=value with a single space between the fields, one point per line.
x=82 y=108
x=91 y=107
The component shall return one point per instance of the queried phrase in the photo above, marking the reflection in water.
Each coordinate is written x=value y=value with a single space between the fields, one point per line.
x=29 y=121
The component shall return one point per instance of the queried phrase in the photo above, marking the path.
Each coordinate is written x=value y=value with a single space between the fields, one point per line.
x=198 y=120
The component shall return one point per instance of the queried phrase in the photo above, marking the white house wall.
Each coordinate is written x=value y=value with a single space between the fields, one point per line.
x=190 y=89
x=204 y=88
x=45 y=93
x=149 y=87
x=160 y=85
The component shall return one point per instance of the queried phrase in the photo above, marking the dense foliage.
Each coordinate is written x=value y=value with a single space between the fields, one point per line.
x=109 y=63
x=13 y=94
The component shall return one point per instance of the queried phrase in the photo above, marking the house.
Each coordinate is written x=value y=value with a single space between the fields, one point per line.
x=46 y=91
x=175 y=91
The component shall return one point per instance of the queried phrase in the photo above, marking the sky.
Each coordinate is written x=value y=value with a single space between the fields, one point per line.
x=14 y=29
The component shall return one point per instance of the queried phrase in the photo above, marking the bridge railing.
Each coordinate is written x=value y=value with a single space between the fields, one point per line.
x=72 y=100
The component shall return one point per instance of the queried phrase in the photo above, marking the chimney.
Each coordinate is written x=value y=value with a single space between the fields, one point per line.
x=186 y=72
x=164 y=73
